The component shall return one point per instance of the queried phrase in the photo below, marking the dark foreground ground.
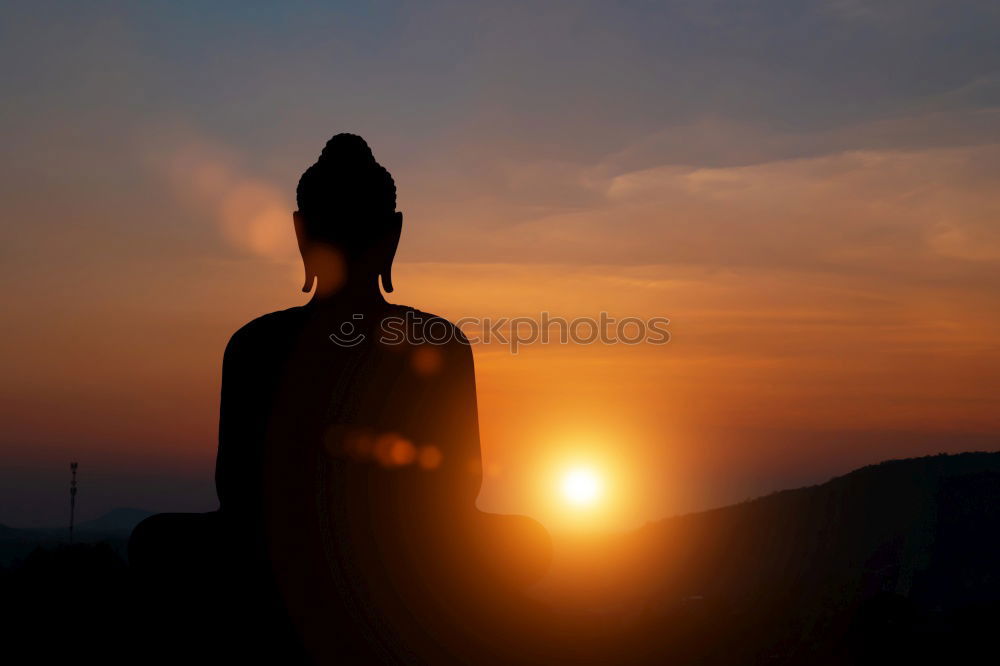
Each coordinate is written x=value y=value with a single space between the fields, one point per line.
x=892 y=564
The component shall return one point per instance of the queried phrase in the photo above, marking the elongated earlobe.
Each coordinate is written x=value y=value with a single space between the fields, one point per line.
x=310 y=279
x=300 y=236
x=387 y=279
x=391 y=241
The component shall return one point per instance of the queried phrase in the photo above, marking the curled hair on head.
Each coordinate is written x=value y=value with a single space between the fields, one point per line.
x=345 y=193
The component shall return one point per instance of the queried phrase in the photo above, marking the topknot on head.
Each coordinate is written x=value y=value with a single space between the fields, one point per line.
x=346 y=149
x=346 y=186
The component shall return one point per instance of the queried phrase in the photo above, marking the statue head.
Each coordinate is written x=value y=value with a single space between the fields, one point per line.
x=346 y=223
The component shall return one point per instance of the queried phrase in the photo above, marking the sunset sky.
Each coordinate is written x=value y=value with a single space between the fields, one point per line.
x=807 y=190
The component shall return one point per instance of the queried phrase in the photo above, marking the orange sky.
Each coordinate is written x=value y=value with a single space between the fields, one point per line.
x=858 y=326
x=831 y=284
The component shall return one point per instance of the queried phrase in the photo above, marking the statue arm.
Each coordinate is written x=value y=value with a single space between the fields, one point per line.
x=447 y=410
x=456 y=421
x=230 y=475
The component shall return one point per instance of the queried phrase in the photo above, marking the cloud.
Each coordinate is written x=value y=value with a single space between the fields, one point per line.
x=873 y=211
x=715 y=140
x=252 y=214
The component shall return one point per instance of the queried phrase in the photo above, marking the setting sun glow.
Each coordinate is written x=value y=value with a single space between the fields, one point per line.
x=581 y=486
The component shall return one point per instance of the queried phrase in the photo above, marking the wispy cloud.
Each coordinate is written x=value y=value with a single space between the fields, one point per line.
x=252 y=214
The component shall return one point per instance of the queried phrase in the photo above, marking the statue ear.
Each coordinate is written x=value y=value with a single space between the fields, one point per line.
x=303 y=240
x=390 y=243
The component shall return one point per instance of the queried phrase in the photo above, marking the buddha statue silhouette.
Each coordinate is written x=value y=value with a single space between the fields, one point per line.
x=349 y=459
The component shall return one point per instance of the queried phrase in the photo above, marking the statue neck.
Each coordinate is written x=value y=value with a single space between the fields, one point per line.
x=359 y=294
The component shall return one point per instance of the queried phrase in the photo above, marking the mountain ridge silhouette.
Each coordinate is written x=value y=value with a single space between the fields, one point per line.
x=894 y=562
x=112 y=527
x=910 y=545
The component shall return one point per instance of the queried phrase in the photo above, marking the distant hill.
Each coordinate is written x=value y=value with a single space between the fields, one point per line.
x=893 y=563
x=927 y=529
x=113 y=528
x=16 y=534
x=116 y=520
x=908 y=545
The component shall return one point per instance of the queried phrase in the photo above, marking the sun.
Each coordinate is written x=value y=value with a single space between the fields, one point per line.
x=582 y=486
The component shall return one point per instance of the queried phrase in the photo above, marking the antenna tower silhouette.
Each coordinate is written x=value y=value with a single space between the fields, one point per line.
x=72 y=499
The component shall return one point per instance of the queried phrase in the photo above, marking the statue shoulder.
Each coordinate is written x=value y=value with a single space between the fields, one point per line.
x=419 y=327
x=264 y=331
